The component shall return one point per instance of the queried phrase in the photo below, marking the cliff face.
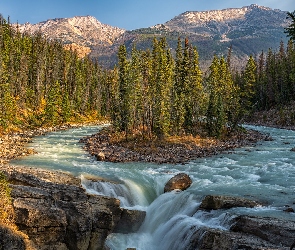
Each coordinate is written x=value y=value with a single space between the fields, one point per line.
x=55 y=212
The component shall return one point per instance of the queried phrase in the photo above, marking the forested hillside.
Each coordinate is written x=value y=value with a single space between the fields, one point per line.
x=43 y=84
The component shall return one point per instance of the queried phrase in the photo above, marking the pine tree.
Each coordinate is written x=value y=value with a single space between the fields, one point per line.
x=162 y=77
x=291 y=29
x=247 y=89
x=178 y=95
x=53 y=106
x=124 y=90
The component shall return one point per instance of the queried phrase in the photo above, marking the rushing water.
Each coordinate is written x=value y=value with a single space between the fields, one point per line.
x=264 y=173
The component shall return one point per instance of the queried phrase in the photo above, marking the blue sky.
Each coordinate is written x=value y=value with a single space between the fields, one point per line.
x=127 y=14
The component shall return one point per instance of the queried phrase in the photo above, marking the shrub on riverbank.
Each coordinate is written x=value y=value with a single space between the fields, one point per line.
x=6 y=209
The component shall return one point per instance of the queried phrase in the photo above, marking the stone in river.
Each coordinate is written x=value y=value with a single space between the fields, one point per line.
x=180 y=181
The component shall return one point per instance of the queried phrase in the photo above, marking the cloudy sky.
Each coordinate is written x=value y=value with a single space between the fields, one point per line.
x=127 y=14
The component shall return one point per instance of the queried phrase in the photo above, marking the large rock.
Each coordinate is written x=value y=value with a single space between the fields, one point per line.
x=130 y=221
x=214 y=202
x=273 y=230
x=180 y=181
x=214 y=239
x=55 y=212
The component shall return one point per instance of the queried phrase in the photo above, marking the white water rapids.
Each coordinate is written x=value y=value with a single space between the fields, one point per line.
x=265 y=173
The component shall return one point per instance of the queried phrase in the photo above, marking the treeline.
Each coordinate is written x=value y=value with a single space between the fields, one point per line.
x=43 y=84
x=160 y=94
x=273 y=78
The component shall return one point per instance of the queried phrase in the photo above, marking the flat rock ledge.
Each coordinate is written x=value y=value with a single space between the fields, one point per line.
x=55 y=212
x=245 y=232
x=99 y=146
x=214 y=202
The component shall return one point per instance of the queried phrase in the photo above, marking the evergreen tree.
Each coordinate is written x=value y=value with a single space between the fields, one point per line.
x=291 y=29
x=247 y=88
x=124 y=90
x=162 y=77
x=178 y=95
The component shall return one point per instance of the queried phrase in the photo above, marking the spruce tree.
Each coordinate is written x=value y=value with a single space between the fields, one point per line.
x=247 y=89
x=291 y=29
x=124 y=89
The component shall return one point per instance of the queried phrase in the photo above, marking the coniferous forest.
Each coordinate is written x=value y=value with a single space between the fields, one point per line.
x=151 y=92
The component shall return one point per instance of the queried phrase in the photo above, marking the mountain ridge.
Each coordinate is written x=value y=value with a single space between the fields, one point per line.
x=81 y=30
x=249 y=30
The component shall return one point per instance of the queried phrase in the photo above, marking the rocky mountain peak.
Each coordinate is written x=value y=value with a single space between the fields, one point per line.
x=81 y=30
x=222 y=22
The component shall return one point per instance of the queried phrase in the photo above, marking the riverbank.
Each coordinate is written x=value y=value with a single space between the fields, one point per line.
x=283 y=117
x=106 y=146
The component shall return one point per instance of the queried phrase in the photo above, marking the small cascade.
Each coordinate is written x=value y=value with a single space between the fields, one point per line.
x=172 y=222
x=130 y=194
x=113 y=190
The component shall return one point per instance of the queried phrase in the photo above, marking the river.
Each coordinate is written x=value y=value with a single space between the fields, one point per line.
x=264 y=173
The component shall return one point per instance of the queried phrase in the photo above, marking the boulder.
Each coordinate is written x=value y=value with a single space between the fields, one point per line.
x=130 y=221
x=215 y=239
x=54 y=210
x=269 y=229
x=180 y=181
x=214 y=202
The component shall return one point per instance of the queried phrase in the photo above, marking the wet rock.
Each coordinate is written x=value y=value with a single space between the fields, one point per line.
x=269 y=229
x=289 y=210
x=55 y=212
x=214 y=202
x=268 y=138
x=130 y=221
x=215 y=239
x=292 y=150
x=180 y=181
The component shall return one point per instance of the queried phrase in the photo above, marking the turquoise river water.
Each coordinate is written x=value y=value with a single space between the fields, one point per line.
x=265 y=173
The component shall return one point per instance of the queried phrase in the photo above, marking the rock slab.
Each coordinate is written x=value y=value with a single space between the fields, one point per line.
x=214 y=202
x=54 y=210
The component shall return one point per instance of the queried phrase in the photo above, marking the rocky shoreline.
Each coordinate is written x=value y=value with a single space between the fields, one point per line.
x=101 y=147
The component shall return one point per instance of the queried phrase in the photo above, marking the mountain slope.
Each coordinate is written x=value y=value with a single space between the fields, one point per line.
x=249 y=30
x=251 y=21
x=84 y=30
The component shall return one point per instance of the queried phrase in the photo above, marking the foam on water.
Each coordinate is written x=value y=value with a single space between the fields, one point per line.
x=265 y=173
